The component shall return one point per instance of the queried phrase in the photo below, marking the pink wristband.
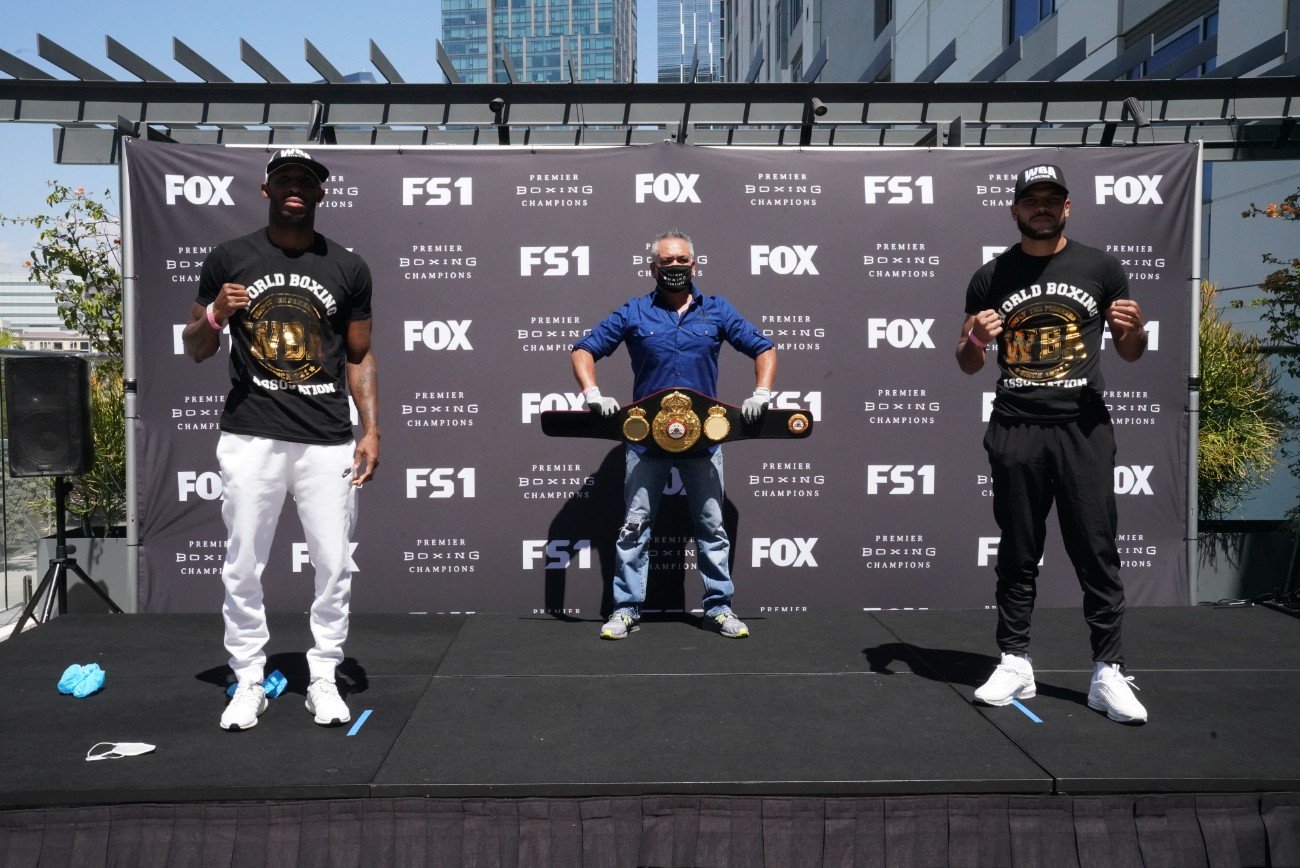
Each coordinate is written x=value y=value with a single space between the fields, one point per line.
x=212 y=319
x=970 y=336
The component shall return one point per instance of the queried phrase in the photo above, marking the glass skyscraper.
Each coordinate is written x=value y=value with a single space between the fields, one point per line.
x=684 y=24
x=597 y=36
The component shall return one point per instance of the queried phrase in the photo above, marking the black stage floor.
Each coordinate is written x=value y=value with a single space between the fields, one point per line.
x=484 y=706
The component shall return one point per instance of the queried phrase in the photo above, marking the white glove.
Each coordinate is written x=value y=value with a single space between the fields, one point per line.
x=596 y=403
x=755 y=404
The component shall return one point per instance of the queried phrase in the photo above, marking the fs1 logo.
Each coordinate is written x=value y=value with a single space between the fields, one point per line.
x=797 y=552
x=987 y=252
x=1129 y=190
x=536 y=402
x=302 y=558
x=441 y=482
x=206 y=486
x=798 y=401
x=988 y=551
x=439 y=191
x=793 y=260
x=557 y=554
x=178 y=338
x=1133 y=479
x=437 y=335
x=199 y=189
x=899 y=478
x=901 y=334
x=1153 y=335
x=674 y=188
x=556 y=260
x=899 y=188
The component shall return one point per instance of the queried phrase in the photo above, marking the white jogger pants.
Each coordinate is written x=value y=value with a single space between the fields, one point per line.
x=256 y=473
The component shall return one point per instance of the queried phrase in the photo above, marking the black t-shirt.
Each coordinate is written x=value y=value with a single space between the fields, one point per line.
x=288 y=348
x=1052 y=309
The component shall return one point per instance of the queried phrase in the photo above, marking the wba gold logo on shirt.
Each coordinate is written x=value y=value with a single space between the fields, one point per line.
x=1041 y=340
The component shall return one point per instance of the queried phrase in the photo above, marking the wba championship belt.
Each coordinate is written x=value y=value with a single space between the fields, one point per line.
x=677 y=422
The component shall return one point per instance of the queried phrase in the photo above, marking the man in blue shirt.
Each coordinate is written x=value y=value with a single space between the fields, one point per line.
x=673 y=335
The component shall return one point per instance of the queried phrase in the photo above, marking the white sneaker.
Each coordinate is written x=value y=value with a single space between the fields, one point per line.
x=1013 y=679
x=1112 y=692
x=248 y=702
x=324 y=702
x=620 y=625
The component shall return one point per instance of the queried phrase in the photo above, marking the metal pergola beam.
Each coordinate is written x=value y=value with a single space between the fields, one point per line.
x=1230 y=115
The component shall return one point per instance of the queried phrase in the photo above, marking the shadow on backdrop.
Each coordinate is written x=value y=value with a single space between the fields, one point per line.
x=598 y=517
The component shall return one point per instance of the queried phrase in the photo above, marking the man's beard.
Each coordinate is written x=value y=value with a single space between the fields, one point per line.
x=1044 y=232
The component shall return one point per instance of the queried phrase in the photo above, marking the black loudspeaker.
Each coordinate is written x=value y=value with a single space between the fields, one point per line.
x=47 y=400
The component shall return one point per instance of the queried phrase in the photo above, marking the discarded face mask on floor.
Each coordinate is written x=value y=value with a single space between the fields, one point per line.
x=102 y=750
x=81 y=681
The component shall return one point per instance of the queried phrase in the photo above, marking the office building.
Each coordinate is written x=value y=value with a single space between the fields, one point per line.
x=27 y=306
x=897 y=40
x=685 y=27
x=542 y=38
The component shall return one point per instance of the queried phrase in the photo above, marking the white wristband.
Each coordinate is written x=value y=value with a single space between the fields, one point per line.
x=592 y=394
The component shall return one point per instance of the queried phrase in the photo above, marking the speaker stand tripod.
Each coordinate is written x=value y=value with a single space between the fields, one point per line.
x=54 y=584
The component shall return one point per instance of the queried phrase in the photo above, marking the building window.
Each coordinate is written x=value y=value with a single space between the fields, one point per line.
x=1179 y=43
x=884 y=15
x=1025 y=15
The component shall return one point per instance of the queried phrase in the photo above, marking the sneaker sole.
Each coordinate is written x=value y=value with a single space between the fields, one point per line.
x=1118 y=718
x=605 y=634
x=1010 y=699
x=742 y=635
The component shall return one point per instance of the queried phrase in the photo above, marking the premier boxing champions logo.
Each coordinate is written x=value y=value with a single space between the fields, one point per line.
x=792 y=331
x=898 y=551
x=437 y=261
x=554 y=190
x=782 y=190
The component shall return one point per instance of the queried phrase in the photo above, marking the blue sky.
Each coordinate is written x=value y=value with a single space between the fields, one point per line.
x=402 y=30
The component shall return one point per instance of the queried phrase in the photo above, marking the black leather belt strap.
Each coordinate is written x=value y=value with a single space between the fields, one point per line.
x=677 y=422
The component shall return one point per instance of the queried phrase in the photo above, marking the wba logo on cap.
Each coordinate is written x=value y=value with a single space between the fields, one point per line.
x=293 y=152
x=1040 y=173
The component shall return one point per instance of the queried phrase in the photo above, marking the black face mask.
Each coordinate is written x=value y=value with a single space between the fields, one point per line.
x=673 y=278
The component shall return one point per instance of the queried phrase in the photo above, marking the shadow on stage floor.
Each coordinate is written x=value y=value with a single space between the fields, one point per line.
x=854 y=722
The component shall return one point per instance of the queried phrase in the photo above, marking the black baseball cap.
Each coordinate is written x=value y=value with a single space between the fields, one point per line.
x=296 y=157
x=1043 y=174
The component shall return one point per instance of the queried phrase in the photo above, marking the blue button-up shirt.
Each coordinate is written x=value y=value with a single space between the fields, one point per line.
x=671 y=352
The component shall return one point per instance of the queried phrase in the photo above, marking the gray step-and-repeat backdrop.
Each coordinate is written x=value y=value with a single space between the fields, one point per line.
x=489 y=264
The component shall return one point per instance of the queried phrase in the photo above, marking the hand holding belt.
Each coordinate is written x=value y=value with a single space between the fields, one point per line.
x=677 y=422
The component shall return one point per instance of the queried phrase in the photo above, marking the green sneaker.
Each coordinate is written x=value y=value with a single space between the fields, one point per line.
x=619 y=626
x=729 y=625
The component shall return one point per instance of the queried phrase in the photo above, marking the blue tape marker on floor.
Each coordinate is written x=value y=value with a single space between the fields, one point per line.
x=1016 y=702
x=362 y=719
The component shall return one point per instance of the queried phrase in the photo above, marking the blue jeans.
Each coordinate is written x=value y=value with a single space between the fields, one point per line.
x=644 y=481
